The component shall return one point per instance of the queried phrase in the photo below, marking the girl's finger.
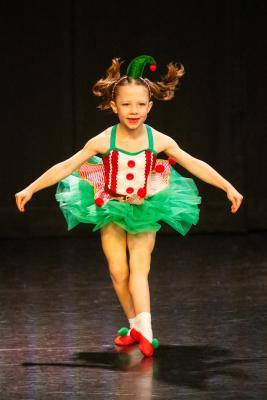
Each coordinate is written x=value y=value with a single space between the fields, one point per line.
x=19 y=201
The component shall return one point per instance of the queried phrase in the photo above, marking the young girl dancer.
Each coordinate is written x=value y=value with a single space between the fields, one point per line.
x=128 y=190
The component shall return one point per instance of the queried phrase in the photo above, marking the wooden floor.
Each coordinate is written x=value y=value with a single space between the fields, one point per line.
x=59 y=315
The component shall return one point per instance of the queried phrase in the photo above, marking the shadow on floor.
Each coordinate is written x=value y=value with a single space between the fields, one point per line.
x=188 y=366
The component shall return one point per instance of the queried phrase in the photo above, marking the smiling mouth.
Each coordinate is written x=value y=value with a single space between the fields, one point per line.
x=133 y=119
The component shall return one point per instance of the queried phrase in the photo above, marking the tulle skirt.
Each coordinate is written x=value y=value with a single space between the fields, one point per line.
x=176 y=205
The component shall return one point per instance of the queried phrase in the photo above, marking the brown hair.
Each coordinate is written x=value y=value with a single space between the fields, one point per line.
x=161 y=90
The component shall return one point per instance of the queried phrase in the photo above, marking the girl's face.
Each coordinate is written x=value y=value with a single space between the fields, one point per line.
x=132 y=105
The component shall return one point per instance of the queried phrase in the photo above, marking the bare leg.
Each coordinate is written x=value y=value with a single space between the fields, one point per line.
x=113 y=239
x=140 y=248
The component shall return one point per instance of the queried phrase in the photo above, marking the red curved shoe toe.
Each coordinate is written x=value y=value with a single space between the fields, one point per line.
x=124 y=340
x=146 y=347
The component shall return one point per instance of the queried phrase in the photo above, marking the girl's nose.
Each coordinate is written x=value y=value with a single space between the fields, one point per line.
x=134 y=109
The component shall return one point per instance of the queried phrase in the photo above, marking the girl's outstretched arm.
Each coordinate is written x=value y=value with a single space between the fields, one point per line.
x=57 y=172
x=203 y=171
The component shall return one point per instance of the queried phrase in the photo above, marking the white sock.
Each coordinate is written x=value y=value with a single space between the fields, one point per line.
x=143 y=324
x=131 y=322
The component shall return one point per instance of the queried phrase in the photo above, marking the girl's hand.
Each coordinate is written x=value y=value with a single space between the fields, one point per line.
x=235 y=197
x=22 y=198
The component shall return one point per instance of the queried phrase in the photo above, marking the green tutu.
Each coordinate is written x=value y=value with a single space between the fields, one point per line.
x=176 y=205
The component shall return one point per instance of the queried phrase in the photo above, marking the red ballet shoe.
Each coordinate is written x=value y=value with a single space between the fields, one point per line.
x=146 y=347
x=124 y=339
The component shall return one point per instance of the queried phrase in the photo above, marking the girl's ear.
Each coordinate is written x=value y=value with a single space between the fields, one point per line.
x=114 y=107
x=150 y=104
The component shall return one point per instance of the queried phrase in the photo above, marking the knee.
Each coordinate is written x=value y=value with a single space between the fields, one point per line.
x=139 y=263
x=119 y=273
x=140 y=271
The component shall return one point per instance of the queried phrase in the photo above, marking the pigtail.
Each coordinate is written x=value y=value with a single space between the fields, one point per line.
x=103 y=87
x=164 y=89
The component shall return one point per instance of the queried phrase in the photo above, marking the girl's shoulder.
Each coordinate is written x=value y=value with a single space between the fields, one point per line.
x=159 y=135
x=161 y=140
x=101 y=141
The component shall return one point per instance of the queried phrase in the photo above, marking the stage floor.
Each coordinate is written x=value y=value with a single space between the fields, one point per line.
x=59 y=315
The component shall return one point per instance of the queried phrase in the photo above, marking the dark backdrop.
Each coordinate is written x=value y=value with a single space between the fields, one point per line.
x=53 y=52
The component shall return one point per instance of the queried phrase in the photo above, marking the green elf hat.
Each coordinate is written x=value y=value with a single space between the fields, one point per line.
x=136 y=67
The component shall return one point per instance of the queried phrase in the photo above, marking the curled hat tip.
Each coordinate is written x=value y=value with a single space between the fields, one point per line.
x=136 y=67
